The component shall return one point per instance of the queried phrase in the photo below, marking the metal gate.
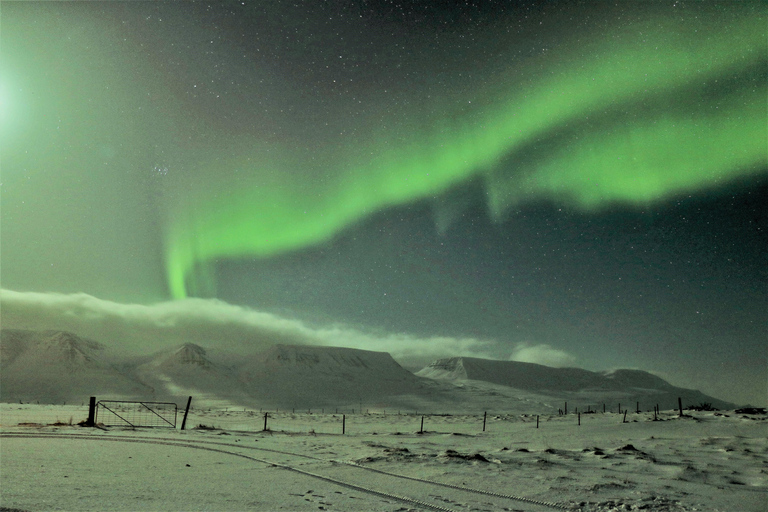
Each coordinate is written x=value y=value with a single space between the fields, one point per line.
x=116 y=413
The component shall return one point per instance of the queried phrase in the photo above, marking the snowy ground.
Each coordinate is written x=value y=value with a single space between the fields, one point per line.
x=715 y=461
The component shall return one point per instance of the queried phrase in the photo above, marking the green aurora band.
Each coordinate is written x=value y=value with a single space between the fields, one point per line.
x=662 y=110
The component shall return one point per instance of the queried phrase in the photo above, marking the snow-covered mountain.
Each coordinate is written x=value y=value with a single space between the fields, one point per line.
x=313 y=376
x=581 y=388
x=187 y=370
x=527 y=376
x=58 y=366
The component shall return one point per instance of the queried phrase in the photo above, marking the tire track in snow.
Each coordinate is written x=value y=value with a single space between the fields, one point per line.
x=127 y=439
x=198 y=444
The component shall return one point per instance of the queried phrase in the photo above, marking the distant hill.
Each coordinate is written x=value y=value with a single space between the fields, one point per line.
x=187 y=370
x=582 y=388
x=56 y=367
x=312 y=376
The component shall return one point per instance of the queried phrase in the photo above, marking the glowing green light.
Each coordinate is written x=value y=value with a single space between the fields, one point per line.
x=629 y=122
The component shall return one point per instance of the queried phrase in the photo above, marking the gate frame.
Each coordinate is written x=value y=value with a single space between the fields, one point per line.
x=101 y=403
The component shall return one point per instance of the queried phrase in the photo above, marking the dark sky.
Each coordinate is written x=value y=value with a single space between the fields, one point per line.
x=583 y=177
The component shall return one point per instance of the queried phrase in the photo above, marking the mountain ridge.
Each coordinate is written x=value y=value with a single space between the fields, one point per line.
x=578 y=385
x=58 y=366
x=53 y=366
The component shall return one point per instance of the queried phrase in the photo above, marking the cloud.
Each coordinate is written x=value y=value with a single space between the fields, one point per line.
x=542 y=354
x=142 y=329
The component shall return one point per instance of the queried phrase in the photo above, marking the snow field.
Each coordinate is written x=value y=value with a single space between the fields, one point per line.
x=712 y=461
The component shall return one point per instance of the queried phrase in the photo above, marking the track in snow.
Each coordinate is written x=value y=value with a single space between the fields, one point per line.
x=531 y=505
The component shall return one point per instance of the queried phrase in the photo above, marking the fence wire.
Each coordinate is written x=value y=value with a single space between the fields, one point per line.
x=136 y=414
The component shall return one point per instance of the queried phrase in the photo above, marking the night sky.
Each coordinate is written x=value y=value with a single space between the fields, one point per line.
x=581 y=177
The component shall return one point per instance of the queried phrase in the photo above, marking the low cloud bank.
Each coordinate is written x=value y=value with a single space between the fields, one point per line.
x=141 y=329
x=542 y=354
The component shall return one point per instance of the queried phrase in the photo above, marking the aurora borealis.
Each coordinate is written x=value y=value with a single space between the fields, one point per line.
x=642 y=139
x=584 y=175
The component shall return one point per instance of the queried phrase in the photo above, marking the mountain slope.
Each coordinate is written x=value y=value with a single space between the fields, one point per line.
x=58 y=366
x=314 y=376
x=187 y=370
x=581 y=388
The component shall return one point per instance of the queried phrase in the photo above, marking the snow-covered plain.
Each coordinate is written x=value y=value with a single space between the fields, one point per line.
x=707 y=460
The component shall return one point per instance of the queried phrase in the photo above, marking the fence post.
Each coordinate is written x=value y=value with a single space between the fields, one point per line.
x=637 y=409
x=266 y=415
x=421 y=430
x=91 y=412
x=186 y=411
x=680 y=405
x=484 y=416
x=579 y=418
x=625 y=417
x=343 y=424
x=537 y=421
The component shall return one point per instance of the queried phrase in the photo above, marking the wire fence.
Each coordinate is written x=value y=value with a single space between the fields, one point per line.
x=136 y=414
x=245 y=420
x=308 y=421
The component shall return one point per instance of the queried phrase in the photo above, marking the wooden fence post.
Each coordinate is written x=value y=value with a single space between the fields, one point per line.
x=343 y=424
x=537 y=421
x=91 y=412
x=579 y=418
x=186 y=411
x=484 y=416
x=625 y=417
x=266 y=415
x=421 y=430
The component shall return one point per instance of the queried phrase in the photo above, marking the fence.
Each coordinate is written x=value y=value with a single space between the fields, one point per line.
x=246 y=420
x=317 y=421
x=136 y=414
